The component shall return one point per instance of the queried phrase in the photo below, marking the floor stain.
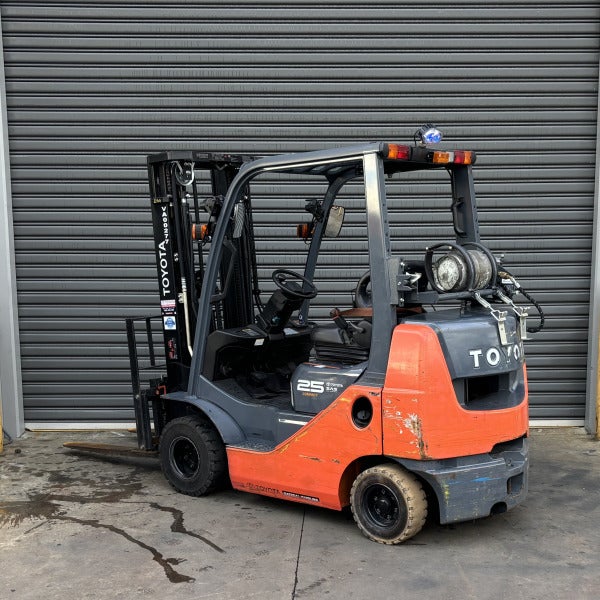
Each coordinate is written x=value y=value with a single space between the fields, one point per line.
x=47 y=507
x=178 y=527
x=311 y=587
x=50 y=506
x=13 y=514
x=165 y=563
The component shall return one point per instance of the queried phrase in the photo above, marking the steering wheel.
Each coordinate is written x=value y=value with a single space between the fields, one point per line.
x=362 y=293
x=291 y=288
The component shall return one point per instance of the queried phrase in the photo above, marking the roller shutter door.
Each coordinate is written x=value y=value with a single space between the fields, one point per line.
x=95 y=86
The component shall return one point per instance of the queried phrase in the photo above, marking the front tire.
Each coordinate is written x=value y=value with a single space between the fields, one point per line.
x=388 y=504
x=192 y=456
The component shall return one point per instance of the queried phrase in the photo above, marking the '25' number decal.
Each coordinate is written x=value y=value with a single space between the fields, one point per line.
x=306 y=385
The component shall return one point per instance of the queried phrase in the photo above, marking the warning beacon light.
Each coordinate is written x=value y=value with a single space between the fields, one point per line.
x=427 y=134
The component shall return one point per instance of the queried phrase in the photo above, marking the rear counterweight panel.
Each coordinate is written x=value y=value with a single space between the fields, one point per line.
x=472 y=487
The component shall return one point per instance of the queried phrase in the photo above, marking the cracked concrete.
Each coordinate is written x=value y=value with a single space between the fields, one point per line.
x=78 y=527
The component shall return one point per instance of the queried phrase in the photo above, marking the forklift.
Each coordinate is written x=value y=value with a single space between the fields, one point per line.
x=414 y=396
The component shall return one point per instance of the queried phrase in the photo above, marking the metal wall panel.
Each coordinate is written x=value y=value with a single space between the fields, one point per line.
x=95 y=86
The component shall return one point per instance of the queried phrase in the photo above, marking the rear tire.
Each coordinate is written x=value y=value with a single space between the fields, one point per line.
x=388 y=504
x=192 y=456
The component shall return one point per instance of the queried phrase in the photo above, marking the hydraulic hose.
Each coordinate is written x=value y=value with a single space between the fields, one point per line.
x=504 y=274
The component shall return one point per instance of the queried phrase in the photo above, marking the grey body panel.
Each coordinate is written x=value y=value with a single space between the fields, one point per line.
x=470 y=487
x=228 y=428
x=242 y=421
x=315 y=386
x=471 y=342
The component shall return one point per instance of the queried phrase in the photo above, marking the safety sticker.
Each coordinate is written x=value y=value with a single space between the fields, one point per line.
x=167 y=307
x=169 y=323
x=300 y=496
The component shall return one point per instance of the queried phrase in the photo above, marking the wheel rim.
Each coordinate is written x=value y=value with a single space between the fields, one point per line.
x=184 y=457
x=382 y=506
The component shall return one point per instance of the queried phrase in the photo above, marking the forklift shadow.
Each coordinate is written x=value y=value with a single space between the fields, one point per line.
x=314 y=519
x=338 y=527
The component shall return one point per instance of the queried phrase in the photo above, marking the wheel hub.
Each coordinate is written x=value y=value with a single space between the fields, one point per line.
x=382 y=505
x=185 y=457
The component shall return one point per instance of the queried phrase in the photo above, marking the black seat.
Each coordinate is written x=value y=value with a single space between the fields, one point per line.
x=333 y=344
x=329 y=334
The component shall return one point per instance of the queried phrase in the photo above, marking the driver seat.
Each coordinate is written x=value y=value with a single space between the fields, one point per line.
x=343 y=341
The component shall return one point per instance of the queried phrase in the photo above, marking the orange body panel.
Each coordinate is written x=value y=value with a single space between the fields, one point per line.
x=309 y=466
x=415 y=416
x=421 y=416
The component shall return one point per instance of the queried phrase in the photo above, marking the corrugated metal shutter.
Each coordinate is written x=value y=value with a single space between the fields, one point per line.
x=95 y=86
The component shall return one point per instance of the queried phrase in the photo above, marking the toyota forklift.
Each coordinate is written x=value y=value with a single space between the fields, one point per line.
x=414 y=395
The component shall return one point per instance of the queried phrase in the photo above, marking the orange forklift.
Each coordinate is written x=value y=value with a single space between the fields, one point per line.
x=415 y=395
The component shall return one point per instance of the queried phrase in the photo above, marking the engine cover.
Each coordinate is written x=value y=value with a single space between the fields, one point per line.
x=315 y=386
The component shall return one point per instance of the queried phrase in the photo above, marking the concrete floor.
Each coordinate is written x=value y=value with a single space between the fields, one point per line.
x=76 y=527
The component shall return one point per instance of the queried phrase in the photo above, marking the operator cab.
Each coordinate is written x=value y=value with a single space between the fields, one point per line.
x=275 y=358
x=292 y=346
x=261 y=356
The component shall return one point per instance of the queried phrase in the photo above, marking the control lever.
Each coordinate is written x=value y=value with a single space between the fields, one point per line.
x=499 y=315
x=521 y=312
x=348 y=329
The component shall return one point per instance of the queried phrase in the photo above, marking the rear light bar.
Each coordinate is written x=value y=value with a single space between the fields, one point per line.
x=438 y=157
x=458 y=157
x=398 y=152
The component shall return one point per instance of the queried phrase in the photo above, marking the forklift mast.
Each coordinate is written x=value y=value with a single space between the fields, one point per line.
x=174 y=179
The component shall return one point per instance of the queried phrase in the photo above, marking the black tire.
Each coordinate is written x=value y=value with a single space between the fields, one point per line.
x=192 y=456
x=388 y=504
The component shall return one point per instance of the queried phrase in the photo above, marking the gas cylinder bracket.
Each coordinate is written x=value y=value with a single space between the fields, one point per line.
x=498 y=315
x=522 y=312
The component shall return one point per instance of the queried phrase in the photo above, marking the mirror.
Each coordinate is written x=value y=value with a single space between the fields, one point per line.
x=335 y=221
